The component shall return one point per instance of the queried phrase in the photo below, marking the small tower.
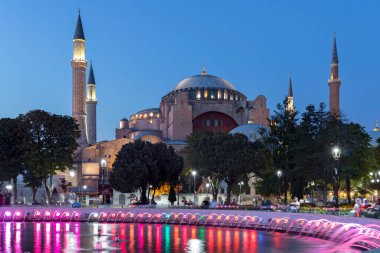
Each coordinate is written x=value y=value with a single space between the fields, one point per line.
x=79 y=67
x=91 y=107
x=290 y=106
x=376 y=128
x=334 y=82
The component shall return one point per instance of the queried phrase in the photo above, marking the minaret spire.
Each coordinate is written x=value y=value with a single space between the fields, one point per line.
x=79 y=34
x=334 y=82
x=290 y=101
x=290 y=93
x=91 y=107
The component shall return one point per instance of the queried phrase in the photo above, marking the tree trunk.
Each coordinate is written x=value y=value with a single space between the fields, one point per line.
x=34 y=191
x=154 y=192
x=324 y=194
x=15 y=190
x=143 y=198
x=229 y=189
x=214 y=193
x=47 y=190
x=348 y=190
x=286 y=193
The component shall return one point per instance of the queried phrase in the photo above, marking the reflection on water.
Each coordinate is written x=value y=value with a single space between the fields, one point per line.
x=90 y=237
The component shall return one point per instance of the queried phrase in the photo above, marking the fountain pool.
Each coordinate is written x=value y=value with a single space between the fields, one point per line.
x=123 y=237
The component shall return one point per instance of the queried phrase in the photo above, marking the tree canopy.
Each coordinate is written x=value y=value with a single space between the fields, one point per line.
x=141 y=164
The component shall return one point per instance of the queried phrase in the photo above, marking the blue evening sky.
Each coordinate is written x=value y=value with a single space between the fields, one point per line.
x=142 y=49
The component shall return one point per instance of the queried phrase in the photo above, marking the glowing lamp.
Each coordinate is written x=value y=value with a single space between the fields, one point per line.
x=149 y=215
x=7 y=213
x=37 y=213
x=210 y=217
x=58 y=214
x=47 y=213
x=219 y=217
x=176 y=216
x=67 y=214
x=104 y=215
x=18 y=213
x=184 y=216
x=131 y=215
x=228 y=218
x=76 y=214
x=236 y=217
x=193 y=217
x=113 y=215
x=253 y=219
x=167 y=216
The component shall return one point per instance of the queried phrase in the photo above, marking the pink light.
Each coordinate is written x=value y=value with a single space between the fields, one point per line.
x=210 y=217
x=236 y=217
x=76 y=214
x=67 y=214
x=58 y=214
x=131 y=215
x=37 y=213
x=47 y=213
x=122 y=215
x=193 y=217
x=228 y=218
x=18 y=213
x=7 y=213
x=176 y=216
x=104 y=215
x=219 y=217
x=253 y=219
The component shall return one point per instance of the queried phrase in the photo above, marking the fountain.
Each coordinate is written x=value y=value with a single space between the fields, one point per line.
x=350 y=234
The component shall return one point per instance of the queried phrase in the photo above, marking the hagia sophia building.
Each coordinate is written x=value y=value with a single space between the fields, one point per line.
x=201 y=102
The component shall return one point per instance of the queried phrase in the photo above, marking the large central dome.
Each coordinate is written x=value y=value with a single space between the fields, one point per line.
x=204 y=81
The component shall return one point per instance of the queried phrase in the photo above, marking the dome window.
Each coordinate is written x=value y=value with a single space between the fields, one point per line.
x=198 y=97
x=219 y=94
x=205 y=94
x=225 y=95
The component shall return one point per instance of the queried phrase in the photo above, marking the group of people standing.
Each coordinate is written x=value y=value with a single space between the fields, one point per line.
x=361 y=206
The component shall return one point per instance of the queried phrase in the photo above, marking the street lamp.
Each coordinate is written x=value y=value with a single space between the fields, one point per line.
x=279 y=175
x=194 y=174
x=336 y=152
x=240 y=184
x=9 y=187
x=83 y=188
x=179 y=182
x=103 y=165
x=72 y=173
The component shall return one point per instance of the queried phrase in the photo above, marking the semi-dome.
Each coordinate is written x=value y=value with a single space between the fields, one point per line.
x=252 y=131
x=204 y=81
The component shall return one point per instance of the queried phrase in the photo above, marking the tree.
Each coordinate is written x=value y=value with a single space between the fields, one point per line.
x=141 y=164
x=11 y=151
x=223 y=157
x=49 y=143
x=283 y=141
x=32 y=181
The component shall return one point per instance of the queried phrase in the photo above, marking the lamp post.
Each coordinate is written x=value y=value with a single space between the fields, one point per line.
x=194 y=174
x=179 y=181
x=207 y=186
x=103 y=165
x=336 y=152
x=83 y=188
x=279 y=175
x=240 y=184
x=9 y=188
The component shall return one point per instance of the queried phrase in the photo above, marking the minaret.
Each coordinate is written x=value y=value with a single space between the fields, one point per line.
x=290 y=106
x=334 y=82
x=79 y=66
x=91 y=107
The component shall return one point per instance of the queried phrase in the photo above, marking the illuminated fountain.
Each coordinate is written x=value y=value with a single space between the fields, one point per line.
x=349 y=234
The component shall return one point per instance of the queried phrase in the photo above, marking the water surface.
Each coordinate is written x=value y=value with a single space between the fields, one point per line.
x=94 y=237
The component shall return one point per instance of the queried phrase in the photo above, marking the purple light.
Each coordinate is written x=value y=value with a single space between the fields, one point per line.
x=18 y=213
x=7 y=213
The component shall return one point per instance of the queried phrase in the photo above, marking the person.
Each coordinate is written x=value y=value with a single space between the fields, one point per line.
x=184 y=201
x=364 y=205
x=234 y=203
x=190 y=203
x=358 y=203
x=295 y=205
